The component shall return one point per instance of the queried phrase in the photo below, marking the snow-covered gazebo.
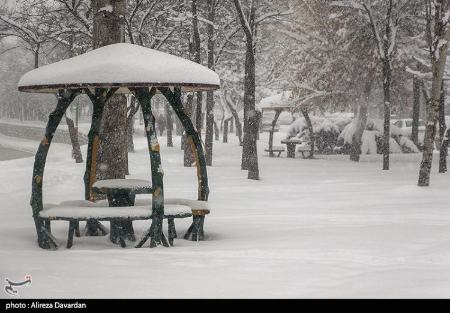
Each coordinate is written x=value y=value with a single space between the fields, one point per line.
x=101 y=73
x=277 y=103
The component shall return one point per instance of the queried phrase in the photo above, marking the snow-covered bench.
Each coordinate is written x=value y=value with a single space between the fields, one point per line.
x=83 y=210
x=278 y=149
x=197 y=207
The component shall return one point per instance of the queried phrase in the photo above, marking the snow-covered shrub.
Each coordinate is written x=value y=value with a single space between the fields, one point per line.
x=407 y=145
x=372 y=139
x=340 y=119
x=325 y=132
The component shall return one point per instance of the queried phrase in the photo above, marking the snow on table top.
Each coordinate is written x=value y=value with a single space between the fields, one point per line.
x=168 y=202
x=132 y=212
x=118 y=65
x=278 y=101
x=130 y=184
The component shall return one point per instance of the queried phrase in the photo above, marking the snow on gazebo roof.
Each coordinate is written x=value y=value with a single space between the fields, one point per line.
x=120 y=65
x=278 y=101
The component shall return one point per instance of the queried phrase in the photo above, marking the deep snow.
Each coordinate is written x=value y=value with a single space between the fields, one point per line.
x=309 y=228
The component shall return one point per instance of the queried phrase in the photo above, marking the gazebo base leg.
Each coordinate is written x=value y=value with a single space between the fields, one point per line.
x=48 y=226
x=45 y=238
x=95 y=228
x=162 y=241
x=172 y=231
x=77 y=229
x=51 y=239
x=72 y=227
x=156 y=235
x=126 y=227
x=195 y=231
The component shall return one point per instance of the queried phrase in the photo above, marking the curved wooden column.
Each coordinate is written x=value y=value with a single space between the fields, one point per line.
x=98 y=99
x=45 y=239
x=195 y=231
x=155 y=233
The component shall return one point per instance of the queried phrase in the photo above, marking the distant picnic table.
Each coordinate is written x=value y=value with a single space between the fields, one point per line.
x=290 y=146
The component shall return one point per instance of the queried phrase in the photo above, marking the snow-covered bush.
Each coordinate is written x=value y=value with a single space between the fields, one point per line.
x=340 y=119
x=372 y=139
x=326 y=133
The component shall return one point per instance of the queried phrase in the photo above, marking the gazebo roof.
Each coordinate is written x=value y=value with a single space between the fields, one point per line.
x=278 y=101
x=120 y=65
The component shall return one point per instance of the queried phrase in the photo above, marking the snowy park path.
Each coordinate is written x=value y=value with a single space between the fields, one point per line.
x=310 y=228
x=11 y=154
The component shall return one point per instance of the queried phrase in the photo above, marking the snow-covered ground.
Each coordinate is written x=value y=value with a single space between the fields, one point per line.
x=309 y=228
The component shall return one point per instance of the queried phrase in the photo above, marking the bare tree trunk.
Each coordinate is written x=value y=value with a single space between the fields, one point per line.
x=236 y=120
x=73 y=132
x=169 y=125
x=387 y=74
x=445 y=143
x=442 y=128
x=210 y=95
x=112 y=159
x=311 y=132
x=438 y=54
x=197 y=58
x=36 y=56
x=231 y=126
x=109 y=29
x=222 y=119
x=416 y=111
x=188 y=153
x=130 y=133
x=225 y=129
x=216 y=132
x=355 y=150
x=132 y=110
x=245 y=135
x=249 y=151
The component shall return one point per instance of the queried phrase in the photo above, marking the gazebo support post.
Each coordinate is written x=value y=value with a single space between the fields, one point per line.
x=195 y=231
x=155 y=233
x=45 y=239
x=272 y=130
x=98 y=99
